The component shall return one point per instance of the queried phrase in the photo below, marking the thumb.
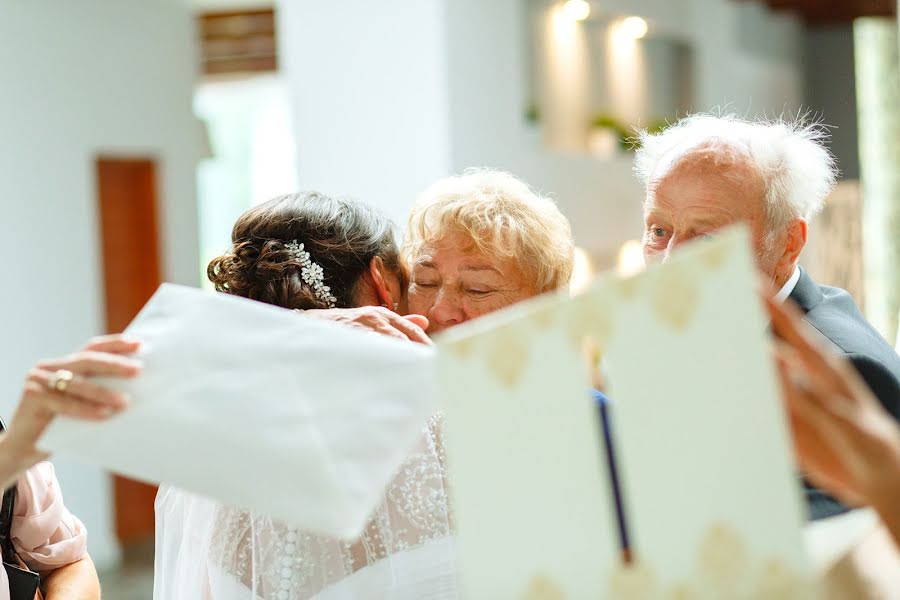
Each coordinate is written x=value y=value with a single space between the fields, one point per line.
x=420 y=320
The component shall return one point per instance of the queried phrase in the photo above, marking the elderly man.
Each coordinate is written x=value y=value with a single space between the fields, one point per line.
x=707 y=172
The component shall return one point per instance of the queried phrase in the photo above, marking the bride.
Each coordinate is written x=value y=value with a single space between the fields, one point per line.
x=310 y=251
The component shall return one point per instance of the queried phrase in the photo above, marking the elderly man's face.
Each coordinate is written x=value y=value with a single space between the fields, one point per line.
x=451 y=282
x=698 y=195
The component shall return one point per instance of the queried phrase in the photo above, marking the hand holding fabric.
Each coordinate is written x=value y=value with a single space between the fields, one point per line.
x=82 y=399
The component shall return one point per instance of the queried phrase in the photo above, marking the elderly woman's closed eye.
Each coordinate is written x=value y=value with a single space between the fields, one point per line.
x=451 y=284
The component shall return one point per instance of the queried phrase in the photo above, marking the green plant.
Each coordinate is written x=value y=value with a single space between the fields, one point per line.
x=627 y=135
x=606 y=121
x=654 y=127
x=657 y=126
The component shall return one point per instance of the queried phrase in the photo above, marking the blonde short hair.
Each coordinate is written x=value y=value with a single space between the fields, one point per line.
x=505 y=219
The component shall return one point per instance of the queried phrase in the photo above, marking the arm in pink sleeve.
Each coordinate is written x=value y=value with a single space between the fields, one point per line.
x=46 y=535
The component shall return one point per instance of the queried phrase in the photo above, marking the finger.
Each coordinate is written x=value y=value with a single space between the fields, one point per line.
x=854 y=386
x=386 y=329
x=805 y=392
x=390 y=323
x=115 y=344
x=856 y=431
x=94 y=364
x=408 y=328
x=418 y=320
x=38 y=401
x=817 y=415
x=76 y=408
x=787 y=322
x=799 y=397
x=784 y=365
x=793 y=386
x=817 y=456
x=81 y=389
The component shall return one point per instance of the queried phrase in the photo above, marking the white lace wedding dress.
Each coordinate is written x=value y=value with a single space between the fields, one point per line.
x=212 y=552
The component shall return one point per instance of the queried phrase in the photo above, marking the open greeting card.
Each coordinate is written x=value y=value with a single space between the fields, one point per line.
x=710 y=502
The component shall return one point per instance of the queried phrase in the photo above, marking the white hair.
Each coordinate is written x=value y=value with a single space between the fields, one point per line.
x=798 y=172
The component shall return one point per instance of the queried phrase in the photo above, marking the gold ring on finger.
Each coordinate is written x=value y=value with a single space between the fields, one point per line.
x=60 y=380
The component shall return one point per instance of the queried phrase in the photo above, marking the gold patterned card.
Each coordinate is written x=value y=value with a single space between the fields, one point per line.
x=711 y=501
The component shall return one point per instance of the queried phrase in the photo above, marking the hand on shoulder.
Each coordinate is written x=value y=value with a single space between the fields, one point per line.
x=378 y=319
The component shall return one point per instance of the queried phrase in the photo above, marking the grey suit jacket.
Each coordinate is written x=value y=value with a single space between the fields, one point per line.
x=832 y=312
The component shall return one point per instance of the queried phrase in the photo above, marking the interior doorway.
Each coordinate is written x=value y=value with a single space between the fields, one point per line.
x=128 y=228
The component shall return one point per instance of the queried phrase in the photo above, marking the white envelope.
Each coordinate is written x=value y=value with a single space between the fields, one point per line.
x=262 y=409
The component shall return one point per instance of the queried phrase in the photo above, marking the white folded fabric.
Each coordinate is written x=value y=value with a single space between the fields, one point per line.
x=262 y=408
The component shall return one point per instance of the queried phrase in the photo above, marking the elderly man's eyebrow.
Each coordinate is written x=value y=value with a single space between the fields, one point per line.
x=481 y=268
x=711 y=221
x=425 y=262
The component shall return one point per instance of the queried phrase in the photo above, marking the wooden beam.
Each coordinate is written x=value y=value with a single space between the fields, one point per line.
x=238 y=41
x=821 y=12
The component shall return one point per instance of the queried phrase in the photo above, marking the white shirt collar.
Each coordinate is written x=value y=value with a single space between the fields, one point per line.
x=788 y=287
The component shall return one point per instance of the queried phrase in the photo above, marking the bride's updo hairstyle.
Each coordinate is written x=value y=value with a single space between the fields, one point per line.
x=266 y=263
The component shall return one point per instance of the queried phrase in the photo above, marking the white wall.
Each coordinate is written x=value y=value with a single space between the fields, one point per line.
x=368 y=85
x=488 y=92
x=82 y=78
x=749 y=58
x=390 y=95
x=831 y=90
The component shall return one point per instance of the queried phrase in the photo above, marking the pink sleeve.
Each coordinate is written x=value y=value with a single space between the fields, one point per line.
x=46 y=535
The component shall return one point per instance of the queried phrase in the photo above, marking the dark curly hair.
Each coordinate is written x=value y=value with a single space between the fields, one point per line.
x=342 y=236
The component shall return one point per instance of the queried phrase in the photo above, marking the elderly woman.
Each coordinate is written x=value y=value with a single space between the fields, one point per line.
x=480 y=242
x=45 y=537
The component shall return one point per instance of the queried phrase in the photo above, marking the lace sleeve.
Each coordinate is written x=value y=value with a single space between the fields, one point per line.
x=253 y=557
